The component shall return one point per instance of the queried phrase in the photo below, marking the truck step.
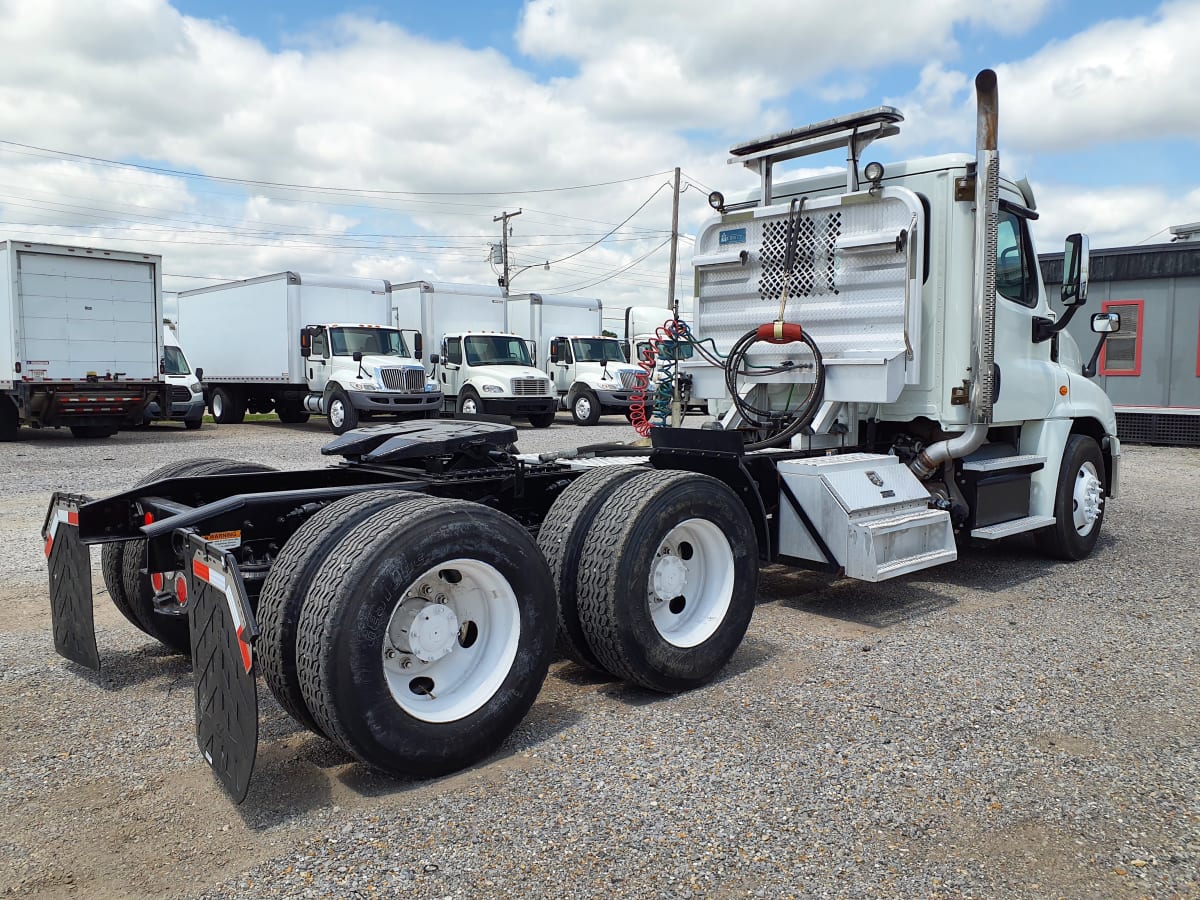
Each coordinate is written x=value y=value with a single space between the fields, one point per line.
x=1002 y=463
x=899 y=544
x=1016 y=526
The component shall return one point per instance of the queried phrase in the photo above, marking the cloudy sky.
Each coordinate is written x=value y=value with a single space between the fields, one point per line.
x=238 y=139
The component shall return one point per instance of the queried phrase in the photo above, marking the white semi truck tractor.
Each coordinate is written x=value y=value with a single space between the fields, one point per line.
x=297 y=344
x=899 y=382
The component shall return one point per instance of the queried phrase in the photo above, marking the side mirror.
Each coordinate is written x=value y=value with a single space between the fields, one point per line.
x=434 y=359
x=305 y=342
x=356 y=356
x=1075 y=271
x=1106 y=323
x=200 y=374
x=554 y=351
x=418 y=350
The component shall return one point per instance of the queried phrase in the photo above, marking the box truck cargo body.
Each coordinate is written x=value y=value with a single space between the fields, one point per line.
x=481 y=364
x=80 y=337
x=298 y=344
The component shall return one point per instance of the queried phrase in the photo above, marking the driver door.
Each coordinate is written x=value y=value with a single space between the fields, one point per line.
x=318 y=362
x=561 y=367
x=1028 y=381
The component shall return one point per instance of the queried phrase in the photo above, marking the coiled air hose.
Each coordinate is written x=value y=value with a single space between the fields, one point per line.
x=787 y=423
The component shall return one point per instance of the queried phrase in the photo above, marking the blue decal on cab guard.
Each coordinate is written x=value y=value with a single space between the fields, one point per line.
x=733 y=236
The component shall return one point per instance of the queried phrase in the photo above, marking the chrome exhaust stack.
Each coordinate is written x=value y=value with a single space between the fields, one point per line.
x=983 y=331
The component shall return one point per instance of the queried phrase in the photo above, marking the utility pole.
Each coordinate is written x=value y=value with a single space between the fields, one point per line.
x=673 y=302
x=503 y=218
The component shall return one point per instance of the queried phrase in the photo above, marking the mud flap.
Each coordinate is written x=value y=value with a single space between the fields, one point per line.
x=70 y=565
x=223 y=629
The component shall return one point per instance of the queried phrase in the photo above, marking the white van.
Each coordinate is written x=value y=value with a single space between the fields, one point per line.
x=185 y=396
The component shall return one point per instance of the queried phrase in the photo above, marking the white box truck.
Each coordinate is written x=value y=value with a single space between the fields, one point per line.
x=80 y=338
x=300 y=344
x=588 y=370
x=483 y=365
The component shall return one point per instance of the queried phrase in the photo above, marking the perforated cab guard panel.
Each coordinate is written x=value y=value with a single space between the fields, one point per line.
x=419 y=439
x=223 y=630
x=70 y=566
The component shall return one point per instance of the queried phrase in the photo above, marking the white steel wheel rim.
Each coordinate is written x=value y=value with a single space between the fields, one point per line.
x=583 y=407
x=449 y=644
x=337 y=414
x=470 y=407
x=1087 y=499
x=690 y=585
x=218 y=404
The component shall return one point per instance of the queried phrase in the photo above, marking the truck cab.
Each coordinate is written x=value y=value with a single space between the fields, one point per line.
x=356 y=371
x=493 y=373
x=590 y=375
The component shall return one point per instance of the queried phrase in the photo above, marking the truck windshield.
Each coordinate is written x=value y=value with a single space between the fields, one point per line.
x=175 y=362
x=597 y=350
x=496 y=350
x=368 y=341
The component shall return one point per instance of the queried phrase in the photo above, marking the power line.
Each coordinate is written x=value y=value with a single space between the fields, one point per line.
x=181 y=173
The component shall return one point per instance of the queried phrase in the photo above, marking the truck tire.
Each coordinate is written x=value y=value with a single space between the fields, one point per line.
x=561 y=539
x=10 y=419
x=291 y=412
x=424 y=690
x=542 y=420
x=585 y=407
x=468 y=402
x=228 y=406
x=91 y=432
x=341 y=412
x=193 y=424
x=287 y=584
x=112 y=555
x=1078 y=501
x=171 y=631
x=667 y=580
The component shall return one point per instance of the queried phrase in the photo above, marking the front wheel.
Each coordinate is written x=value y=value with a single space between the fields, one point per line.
x=341 y=412
x=585 y=408
x=667 y=580
x=542 y=420
x=192 y=424
x=468 y=402
x=1078 y=501
x=426 y=636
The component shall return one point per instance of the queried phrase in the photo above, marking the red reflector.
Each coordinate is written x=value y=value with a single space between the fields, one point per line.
x=148 y=519
x=157 y=581
x=49 y=546
x=200 y=570
x=247 y=659
x=181 y=589
x=73 y=518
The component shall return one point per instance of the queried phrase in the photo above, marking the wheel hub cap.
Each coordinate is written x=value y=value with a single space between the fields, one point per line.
x=1088 y=499
x=336 y=414
x=583 y=407
x=670 y=577
x=426 y=630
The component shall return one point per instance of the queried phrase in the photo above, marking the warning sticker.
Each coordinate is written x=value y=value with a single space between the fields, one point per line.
x=225 y=540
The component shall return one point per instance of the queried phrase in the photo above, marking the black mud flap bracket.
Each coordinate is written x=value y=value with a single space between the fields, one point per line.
x=223 y=631
x=70 y=565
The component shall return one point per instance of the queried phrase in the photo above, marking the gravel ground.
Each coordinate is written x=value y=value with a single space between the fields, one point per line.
x=1000 y=727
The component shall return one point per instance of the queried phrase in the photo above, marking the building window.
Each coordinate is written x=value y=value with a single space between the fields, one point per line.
x=1122 y=354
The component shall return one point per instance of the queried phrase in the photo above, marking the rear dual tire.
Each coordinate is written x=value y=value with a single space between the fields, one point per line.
x=122 y=565
x=666 y=577
x=423 y=636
